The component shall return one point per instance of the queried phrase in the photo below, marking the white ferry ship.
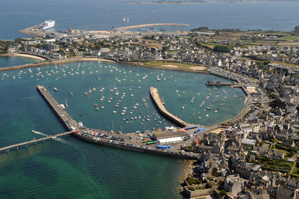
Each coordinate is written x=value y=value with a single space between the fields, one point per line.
x=48 y=24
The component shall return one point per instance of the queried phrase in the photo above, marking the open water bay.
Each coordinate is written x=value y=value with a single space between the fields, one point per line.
x=102 y=15
x=70 y=168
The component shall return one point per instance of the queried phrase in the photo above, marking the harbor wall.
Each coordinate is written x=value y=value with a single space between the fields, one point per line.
x=197 y=193
x=136 y=149
x=54 y=110
x=166 y=114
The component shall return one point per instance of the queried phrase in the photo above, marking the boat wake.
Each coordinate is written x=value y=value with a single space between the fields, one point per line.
x=39 y=133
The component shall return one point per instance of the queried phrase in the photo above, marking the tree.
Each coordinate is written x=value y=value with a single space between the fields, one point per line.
x=277 y=103
x=222 y=192
x=221 y=48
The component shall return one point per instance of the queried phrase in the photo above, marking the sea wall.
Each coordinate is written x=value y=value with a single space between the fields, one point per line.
x=197 y=193
x=136 y=148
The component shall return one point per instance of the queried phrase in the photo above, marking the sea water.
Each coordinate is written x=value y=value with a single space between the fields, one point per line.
x=8 y=61
x=70 y=168
x=102 y=15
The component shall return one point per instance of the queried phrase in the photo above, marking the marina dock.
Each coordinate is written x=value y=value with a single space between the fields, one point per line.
x=161 y=108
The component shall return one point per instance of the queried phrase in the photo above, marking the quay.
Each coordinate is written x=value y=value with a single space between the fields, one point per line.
x=63 y=116
x=213 y=83
x=161 y=108
x=51 y=137
x=32 y=31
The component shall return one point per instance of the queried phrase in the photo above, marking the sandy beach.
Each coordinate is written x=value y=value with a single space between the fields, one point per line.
x=94 y=59
x=46 y=63
x=26 y=55
x=198 y=68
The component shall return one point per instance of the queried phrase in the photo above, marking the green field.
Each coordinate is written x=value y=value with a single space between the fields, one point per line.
x=290 y=37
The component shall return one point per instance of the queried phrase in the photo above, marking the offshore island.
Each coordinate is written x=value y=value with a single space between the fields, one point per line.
x=253 y=155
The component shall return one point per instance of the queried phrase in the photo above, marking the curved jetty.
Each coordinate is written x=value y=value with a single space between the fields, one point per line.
x=161 y=108
x=152 y=24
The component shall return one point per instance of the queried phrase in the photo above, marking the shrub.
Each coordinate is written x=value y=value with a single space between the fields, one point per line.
x=193 y=181
x=222 y=192
x=191 y=188
x=221 y=48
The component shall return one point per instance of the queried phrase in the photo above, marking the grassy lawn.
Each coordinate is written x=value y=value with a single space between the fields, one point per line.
x=290 y=37
x=283 y=63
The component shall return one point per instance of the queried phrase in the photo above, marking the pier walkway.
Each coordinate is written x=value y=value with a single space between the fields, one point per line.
x=161 y=108
x=51 y=137
x=62 y=115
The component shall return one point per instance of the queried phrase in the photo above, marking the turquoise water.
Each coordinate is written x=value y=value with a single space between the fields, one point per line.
x=102 y=15
x=70 y=168
x=8 y=61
